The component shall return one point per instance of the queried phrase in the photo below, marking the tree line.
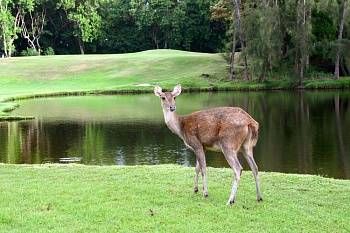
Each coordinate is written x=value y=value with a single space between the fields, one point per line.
x=261 y=39
x=298 y=35
x=109 y=26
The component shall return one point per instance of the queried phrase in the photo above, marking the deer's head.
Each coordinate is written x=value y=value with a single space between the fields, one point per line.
x=168 y=98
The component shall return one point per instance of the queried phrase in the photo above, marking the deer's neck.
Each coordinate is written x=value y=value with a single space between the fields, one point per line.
x=172 y=120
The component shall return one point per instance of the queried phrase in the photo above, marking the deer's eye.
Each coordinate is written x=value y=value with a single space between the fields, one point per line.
x=163 y=98
x=174 y=98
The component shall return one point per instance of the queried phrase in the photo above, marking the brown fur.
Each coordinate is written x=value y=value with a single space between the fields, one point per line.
x=212 y=127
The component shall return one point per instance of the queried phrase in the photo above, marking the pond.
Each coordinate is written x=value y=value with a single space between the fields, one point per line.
x=300 y=132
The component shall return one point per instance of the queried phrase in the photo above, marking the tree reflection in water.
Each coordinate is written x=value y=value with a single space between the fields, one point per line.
x=300 y=132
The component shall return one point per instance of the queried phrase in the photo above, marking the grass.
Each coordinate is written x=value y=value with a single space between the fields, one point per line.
x=23 y=76
x=28 y=77
x=77 y=198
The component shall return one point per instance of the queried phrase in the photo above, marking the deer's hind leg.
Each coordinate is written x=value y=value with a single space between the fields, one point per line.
x=248 y=155
x=232 y=159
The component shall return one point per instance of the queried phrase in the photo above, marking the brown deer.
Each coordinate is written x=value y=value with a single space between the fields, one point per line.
x=227 y=129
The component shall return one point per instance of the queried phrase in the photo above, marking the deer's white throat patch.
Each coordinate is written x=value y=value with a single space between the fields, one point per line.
x=172 y=121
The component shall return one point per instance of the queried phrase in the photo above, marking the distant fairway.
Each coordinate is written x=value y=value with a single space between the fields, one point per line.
x=21 y=76
x=26 y=77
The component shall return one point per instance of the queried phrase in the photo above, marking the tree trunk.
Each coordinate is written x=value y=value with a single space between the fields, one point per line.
x=81 y=46
x=246 y=75
x=32 y=30
x=9 y=53
x=301 y=74
x=303 y=45
x=38 y=46
x=237 y=4
x=263 y=72
x=301 y=57
x=340 y=37
x=269 y=62
x=4 y=44
x=232 y=57
x=154 y=37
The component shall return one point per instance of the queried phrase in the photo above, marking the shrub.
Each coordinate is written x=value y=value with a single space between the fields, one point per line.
x=49 y=51
x=29 y=52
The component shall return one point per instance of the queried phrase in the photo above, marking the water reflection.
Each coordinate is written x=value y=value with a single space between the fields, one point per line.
x=301 y=132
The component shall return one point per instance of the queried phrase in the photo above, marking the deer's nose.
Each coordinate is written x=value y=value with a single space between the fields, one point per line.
x=172 y=108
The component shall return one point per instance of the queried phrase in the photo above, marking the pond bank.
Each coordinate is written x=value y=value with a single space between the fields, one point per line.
x=79 y=198
x=60 y=75
x=7 y=104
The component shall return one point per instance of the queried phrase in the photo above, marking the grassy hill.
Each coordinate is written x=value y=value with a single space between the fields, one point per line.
x=23 y=77
x=76 y=198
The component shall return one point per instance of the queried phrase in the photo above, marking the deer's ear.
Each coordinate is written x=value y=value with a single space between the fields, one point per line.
x=177 y=90
x=158 y=91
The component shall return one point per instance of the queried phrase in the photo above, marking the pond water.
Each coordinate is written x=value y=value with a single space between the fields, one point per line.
x=300 y=132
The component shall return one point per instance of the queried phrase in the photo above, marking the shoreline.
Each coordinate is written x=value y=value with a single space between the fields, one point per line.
x=309 y=85
x=156 y=166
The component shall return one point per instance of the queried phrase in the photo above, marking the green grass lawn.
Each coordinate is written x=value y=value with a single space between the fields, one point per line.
x=25 y=77
x=21 y=76
x=77 y=198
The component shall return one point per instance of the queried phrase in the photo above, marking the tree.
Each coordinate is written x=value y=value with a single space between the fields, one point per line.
x=5 y=26
x=120 y=32
x=196 y=28
x=264 y=36
x=9 y=24
x=230 y=10
x=301 y=34
x=238 y=28
x=32 y=25
x=85 y=19
x=162 y=19
x=224 y=10
x=343 y=12
x=233 y=50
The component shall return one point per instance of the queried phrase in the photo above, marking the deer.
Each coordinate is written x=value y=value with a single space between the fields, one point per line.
x=229 y=130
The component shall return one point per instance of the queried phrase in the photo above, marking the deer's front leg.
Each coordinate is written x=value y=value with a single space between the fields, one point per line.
x=197 y=169
x=203 y=168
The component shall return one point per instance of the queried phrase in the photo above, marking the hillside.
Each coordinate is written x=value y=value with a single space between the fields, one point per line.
x=22 y=76
x=27 y=77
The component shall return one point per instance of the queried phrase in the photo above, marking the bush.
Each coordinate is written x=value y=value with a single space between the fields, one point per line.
x=29 y=52
x=49 y=51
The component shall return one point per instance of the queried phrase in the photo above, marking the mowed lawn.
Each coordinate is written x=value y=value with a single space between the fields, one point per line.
x=30 y=76
x=21 y=76
x=78 y=198
x=27 y=77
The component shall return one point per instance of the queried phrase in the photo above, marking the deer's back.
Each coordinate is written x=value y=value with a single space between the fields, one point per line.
x=212 y=126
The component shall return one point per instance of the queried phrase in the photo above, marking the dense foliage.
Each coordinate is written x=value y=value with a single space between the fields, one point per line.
x=272 y=35
x=281 y=36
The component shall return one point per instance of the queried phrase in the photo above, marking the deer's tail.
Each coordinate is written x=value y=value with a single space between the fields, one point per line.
x=254 y=132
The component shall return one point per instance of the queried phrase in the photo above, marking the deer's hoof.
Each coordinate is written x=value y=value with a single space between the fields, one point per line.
x=205 y=195
x=195 y=189
x=230 y=202
x=259 y=199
